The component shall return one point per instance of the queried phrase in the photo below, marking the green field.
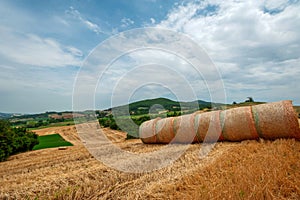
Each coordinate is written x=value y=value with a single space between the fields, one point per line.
x=50 y=141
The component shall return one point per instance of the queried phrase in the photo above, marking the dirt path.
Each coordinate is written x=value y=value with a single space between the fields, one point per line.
x=69 y=133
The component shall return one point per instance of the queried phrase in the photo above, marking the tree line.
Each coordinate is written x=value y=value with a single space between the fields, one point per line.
x=15 y=140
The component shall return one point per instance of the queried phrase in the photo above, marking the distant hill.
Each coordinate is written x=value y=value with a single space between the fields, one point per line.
x=7 y=115
x=161 y=104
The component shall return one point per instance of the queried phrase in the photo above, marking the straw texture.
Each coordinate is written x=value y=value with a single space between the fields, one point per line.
x=238 y=124
x=208 y=126
x=276 y=120
x=164 y=130
x=268 y=121
x=147 y=131
x=184 y=129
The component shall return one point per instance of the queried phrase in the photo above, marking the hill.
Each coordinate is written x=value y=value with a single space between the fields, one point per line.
x=160 y=105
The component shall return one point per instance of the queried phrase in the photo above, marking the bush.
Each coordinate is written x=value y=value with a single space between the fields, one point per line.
x=173 y=114
x=15 y=140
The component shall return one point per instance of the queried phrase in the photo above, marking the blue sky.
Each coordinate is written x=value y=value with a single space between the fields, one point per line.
x=254 y=44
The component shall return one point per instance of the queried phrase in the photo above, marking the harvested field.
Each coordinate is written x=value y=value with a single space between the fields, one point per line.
x=244 y=170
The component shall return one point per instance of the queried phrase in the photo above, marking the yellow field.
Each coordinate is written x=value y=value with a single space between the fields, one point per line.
x=246 y=170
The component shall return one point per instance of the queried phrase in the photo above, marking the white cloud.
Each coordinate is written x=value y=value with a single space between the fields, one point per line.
x=30 y=49
x=276 y=4
x=254 y=43
x=152 y=20
x=156 y=48
x=126 y=22
x=89 y=24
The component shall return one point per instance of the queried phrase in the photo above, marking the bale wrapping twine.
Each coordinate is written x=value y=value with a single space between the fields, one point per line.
x=267 y=121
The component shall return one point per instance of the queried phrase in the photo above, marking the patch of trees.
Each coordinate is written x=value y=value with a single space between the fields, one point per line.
x=15 y=140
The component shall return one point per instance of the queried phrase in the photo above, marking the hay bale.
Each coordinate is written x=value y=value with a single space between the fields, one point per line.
x=184 y=129
x=208 y=127
x=164 y=130
x=147 y=131
x=267 y=121
x=238 y=124
x=276 y=120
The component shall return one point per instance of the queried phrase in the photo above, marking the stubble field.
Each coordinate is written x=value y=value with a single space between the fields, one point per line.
x=245 y=170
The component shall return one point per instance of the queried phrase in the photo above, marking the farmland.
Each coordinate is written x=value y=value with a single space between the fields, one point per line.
x=246 y=170
x=51 y=141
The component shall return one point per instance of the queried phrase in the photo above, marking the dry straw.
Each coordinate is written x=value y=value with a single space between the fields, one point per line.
x=147 y=131
x=164 y=130
x=267 y=121
x=184 y=129
x=208 y=126
x=276 y=120
x=238 y=124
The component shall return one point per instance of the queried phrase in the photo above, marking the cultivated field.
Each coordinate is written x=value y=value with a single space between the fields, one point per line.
x=246 y=170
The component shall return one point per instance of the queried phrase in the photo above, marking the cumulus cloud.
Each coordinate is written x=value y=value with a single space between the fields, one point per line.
x=255 y=44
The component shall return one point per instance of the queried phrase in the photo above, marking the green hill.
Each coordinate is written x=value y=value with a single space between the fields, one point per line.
x=160 y=104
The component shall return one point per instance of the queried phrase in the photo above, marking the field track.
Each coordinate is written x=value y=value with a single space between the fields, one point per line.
x=245 y=170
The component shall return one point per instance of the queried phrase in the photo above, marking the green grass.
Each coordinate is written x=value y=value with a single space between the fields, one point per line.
x=50 y=141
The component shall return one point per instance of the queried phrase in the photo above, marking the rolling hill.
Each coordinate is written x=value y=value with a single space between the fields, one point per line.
x=161 y=104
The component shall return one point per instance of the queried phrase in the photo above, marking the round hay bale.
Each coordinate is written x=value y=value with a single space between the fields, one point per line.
x=147 y=131
x=164 y=130
x=62 y=148
x=208 y=127
x=267 y=121
x=184 y=129
x=238 y=124
x=276 y=120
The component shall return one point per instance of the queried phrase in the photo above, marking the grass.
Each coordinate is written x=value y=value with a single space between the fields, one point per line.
x=50 y=141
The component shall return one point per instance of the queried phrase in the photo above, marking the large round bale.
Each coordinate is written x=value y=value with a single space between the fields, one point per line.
x=184 y=129
x=238 y=124
x=268 y=121
x=276 y=120
x=147 y=131
x=208 y=127
x=164 y=130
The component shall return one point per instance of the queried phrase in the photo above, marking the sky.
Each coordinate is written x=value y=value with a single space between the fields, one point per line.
x=254 y=46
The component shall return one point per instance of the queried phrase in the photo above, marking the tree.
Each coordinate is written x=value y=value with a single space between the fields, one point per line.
x=15 y=140
x=250 y=99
